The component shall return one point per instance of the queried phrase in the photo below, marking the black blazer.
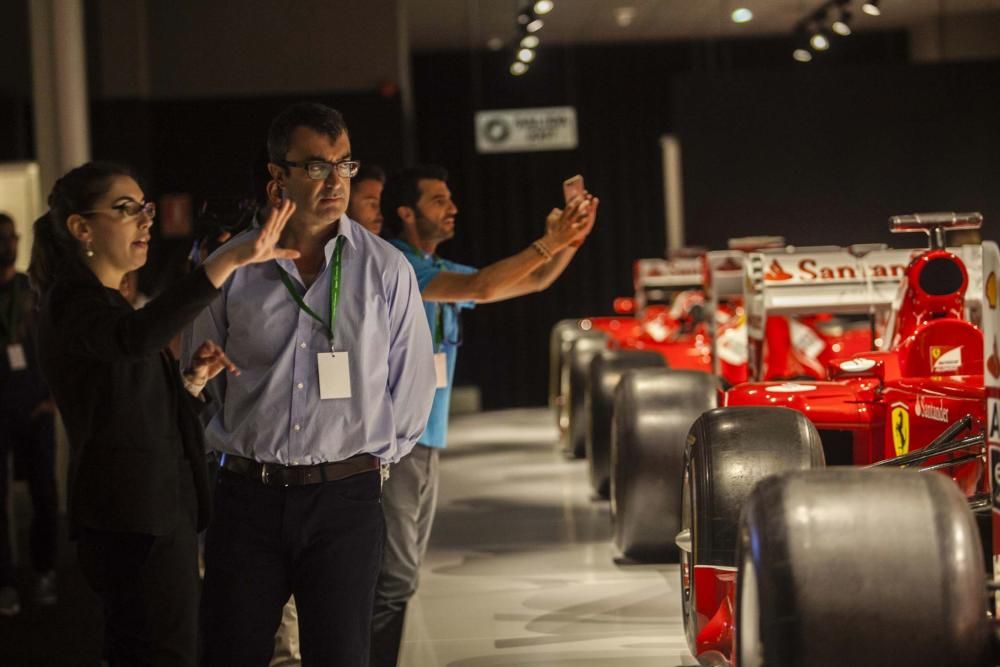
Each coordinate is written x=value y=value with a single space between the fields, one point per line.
x=132 y=427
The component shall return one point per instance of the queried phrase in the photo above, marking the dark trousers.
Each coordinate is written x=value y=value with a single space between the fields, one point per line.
x=34 y=446
x=148 y=587
x=321 y=542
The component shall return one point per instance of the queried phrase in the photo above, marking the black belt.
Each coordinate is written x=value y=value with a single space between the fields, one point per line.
x=275 y=474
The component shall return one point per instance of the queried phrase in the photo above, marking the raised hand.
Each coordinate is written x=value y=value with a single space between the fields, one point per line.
x=264 y=247
x=589 y=223
x=575 y=221
x=207 y=361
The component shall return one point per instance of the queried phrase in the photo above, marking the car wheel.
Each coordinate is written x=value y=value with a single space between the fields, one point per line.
x=576 y=370
x=728 y=451
x=860 y=567
x=653 y=412
x=606 y=369
x=563 y=334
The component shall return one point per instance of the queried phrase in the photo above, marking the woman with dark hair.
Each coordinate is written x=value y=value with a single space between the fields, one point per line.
x=138 y=486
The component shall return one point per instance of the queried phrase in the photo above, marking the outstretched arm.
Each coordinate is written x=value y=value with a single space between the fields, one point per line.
x=541 y=278
x=501 y=279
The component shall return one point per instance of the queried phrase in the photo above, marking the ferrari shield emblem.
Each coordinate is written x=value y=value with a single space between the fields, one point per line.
x=901 y=430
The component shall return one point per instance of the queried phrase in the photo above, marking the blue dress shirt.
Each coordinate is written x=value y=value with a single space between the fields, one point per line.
x=272 y=411
x=427 y=267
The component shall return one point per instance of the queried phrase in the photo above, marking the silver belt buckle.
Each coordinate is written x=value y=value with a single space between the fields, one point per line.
x=383 y=472
x=263 y=474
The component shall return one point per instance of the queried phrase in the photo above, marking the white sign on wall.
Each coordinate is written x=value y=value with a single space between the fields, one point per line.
x=523 y=130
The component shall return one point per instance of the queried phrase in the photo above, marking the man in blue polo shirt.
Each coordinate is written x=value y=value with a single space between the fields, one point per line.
x=420 y=214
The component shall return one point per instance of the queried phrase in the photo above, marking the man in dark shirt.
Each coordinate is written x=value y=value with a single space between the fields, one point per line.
x=27 y=416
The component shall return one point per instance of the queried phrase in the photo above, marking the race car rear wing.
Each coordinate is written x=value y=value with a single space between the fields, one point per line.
x=674 y=275
x=725 y=282
x=823 y=279
x=860 y=279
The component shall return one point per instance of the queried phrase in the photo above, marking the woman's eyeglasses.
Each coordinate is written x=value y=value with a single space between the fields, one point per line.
x=128 y=210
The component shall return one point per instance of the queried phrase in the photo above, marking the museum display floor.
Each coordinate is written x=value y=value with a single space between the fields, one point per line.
x=520 y=568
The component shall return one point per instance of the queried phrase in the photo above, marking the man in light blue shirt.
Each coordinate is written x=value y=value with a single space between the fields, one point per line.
x=337 y=377
x=420 y=214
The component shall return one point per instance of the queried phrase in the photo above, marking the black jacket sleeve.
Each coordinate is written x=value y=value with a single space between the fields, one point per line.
x=93 y=325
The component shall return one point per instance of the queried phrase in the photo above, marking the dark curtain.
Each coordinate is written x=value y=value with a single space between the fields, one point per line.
x=215 y=149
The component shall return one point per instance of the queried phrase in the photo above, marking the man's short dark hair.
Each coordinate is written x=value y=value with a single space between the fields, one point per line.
x=5 y=219
x=369 y=172
x=403 y=189
x=317 y=117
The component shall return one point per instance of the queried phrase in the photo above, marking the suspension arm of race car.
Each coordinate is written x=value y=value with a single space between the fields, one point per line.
x=981 y=456
x=981 y=502
x=921 y=455
x=963 y=424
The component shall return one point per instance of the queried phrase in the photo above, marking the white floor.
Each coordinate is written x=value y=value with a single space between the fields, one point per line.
x=521 y=570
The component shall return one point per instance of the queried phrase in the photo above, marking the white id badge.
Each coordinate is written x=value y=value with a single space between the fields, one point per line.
x=441 y=369
x=16 y=358
x=334 y=375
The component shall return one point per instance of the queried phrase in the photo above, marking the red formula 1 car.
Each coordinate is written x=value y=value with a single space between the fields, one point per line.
x=653 y=408
x=666 y=317
x=814 y=581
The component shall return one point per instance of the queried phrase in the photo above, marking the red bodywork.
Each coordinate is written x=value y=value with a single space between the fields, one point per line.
x=687 y=346
x=876 y=405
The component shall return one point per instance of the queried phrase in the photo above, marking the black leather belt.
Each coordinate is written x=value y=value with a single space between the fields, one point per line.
x=275 y=474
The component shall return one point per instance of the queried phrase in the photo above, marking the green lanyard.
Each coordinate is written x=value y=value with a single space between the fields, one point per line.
x=438 y=326
x=438 y=310
x=334 y=291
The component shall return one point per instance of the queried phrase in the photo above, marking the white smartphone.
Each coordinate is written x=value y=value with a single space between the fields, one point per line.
x=572 y=187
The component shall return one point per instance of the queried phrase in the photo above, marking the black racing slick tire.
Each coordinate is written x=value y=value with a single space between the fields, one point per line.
x=653 y=412
x=730 y=450
x=576 y=370
x=860 y=567
x=606 y=369
x=564 y=332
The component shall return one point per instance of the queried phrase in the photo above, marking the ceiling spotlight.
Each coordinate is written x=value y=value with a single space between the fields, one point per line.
x=871 y=8
x=494 y=44
x=741 y=15
x=525 y=55
x=530 y=41
x=624 y=16
x=842 y=26
x=518 y=68
x=802 y=55
x=535 y=25
x=819 y=41
x=544 y=6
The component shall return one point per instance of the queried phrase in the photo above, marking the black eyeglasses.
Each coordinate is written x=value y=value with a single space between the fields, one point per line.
x=319 y=170
x=128 y=210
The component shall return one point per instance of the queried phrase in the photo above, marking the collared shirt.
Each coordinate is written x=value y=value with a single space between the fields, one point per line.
x=427 y=267
x=271 y=412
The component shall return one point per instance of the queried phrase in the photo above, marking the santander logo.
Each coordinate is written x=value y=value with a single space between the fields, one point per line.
x=776 y=273
x=811 y=270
